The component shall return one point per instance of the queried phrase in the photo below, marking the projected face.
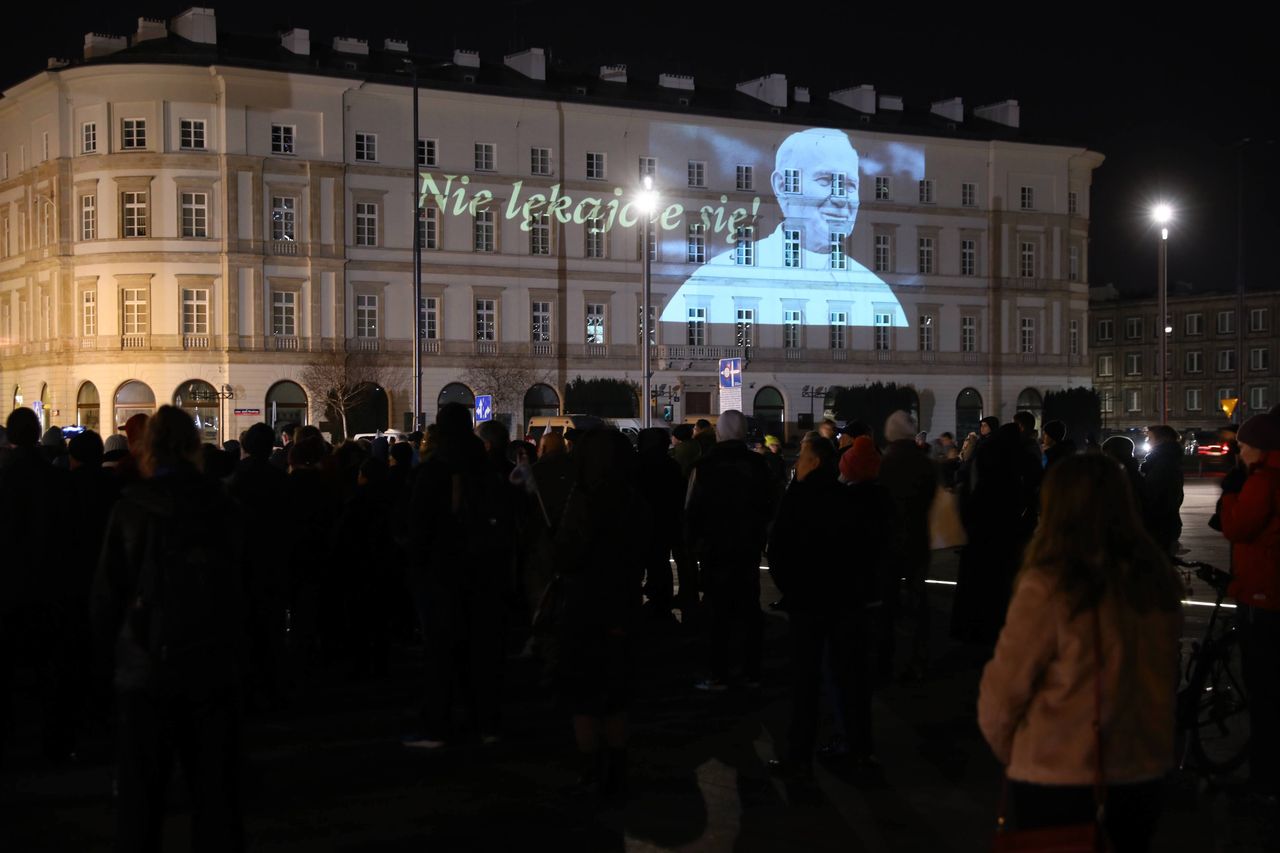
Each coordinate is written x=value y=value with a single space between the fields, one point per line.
x=823 y=167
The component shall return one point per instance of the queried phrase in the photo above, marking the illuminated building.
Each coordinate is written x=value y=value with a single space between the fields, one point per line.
x=187 y=212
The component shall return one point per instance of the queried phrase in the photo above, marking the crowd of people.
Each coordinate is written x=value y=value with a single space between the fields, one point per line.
x=206 y=580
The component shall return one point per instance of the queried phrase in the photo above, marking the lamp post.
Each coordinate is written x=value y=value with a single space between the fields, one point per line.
x=418 y=331
x=1162 y=214
x=647 y=203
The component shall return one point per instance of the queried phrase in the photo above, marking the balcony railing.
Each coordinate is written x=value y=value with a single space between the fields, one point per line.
x=195 y=341
x=430 y=346
x=543 y=348
x=284 y=343
x=597 y=350
x=884 y=355
x=696 y=352
x=284 y=247
x=133 y=342
x=367 y=344
x=486 y=347
x=792 y=354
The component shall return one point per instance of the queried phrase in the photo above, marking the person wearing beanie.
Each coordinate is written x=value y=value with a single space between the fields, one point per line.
x=1056 y=444
x=115 y=448
x=1162 y=487
x=988 y=426
x=1250 y=519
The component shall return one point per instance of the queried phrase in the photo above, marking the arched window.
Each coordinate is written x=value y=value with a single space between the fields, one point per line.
x=768 y=408
x=1031 y=401
x=133 y=398
x=88 y=407
x=540 y=401
x=200 y=400
x=286 y=404
x=968 y=413
x=456 y=392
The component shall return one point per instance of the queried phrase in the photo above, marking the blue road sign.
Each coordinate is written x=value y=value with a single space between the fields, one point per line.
x=484 y=408
x=730 y=373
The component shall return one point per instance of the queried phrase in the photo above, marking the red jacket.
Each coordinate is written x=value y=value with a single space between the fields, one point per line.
x=1251 y=520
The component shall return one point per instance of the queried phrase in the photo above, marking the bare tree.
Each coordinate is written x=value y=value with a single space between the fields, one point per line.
x=343 y=381
x=507 y=379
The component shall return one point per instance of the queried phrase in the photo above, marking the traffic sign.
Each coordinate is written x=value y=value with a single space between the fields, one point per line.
x=484 y=408
x=730 y=373
x=1229 y=405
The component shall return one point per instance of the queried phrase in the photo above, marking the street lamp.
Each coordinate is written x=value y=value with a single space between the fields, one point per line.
x=1162 y=214
x=648 y=202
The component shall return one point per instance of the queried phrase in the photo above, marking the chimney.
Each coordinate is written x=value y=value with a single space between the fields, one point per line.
x=772 y=89
x=101 y=44
x=802 y=94
x=197 y=24
x=343 y=44
x=466 y=58
x=891 y=102
x=675 y=81
x=951 y=109
x=150 y=28
x=396 y=46
x=532 y=63
x=297 y=41
x=1005 y=112
x=861 y=98
x=613 y=73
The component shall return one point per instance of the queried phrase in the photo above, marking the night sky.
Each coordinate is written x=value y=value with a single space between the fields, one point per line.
x=1170 y=110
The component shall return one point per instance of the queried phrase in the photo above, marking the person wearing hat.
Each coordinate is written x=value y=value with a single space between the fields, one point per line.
x=115 y=448
x=1250 y=520
x=1056 y=444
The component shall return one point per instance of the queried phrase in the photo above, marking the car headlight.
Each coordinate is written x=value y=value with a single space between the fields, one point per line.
x=1146 y=447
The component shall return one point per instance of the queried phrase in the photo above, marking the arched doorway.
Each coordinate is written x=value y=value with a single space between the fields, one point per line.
x=1031 y=401
x=286 y=404
x=456 y=392
x=133 y=398
x=88 y=407
x=200 y=400
x=540 y=401
x=42 y=407
x=968 y=412
x=371 y=413
x=768 y=408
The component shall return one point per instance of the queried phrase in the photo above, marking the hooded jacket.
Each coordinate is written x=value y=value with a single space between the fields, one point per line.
x=1251 y=521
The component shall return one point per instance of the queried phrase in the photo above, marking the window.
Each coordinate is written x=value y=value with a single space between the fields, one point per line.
x=882 y=253
x=839 y=186
x=429 y=318
x=926 y=333
x=1073 y=202
x=1193 y=362
x=195 y=311
x=744 y=249
x=1073 y=263
x=486 y=320
x=1108 y=403
x=791 y=323
x=1028 y=198
x=134 y=206
x=282 y=136
x=540 y=233
x=1257 y=319
x=540 y=322
x=1027 y=268
x=697 y=173
x=486 y=156
x=133 y=133
x=926 y=191
x=540 y=161
x=648 y=167
x=968 y=334
x=89 y=314
x=696 y=334
x=428 y=152
x=1258 y=398
x=1193 y=400
x=1133 y=364
x=195 y=214
x=595 y=322
x=429 y=228
x=366 y=147
x=88 y=217
x=791 y=181
x=134 y=302
x=595 y=166
x=595 y=238
x=482 y=231
x=1260 y=359
x=284 y=313
x=191 y=134
x=1027 y=335
x=791 y=248
x=882 y=189
x=1193 y=324
x=366 y=315
x=838 y=324
x=89 y=138
x=1226 y=360
x=968 y=257
x=746 y=179
x=968 y=194
x=1106 y=365
x=1133 y=400
x=925 y=255
x=1226 y=322
x=837 y=259
x=882 y=327
x=696 y=244
x=1073 y=337
x=743 y=327
x=1133 y=328
x=284 y=218
x=366 y=223
x=1106 y=330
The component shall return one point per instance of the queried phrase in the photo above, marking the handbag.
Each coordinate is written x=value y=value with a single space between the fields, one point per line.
x=946 y=530
x=1088 y=837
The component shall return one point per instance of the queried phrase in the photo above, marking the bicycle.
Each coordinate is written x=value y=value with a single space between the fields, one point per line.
x=1213 y=707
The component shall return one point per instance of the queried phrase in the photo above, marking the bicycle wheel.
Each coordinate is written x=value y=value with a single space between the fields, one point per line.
x=1220 y=726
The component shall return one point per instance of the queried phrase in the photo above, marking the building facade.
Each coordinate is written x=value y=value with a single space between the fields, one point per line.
x=182 y=224
x=1220 y=347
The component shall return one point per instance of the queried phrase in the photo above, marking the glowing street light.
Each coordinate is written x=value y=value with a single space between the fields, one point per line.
x=1162 y=215
x=648 y=203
